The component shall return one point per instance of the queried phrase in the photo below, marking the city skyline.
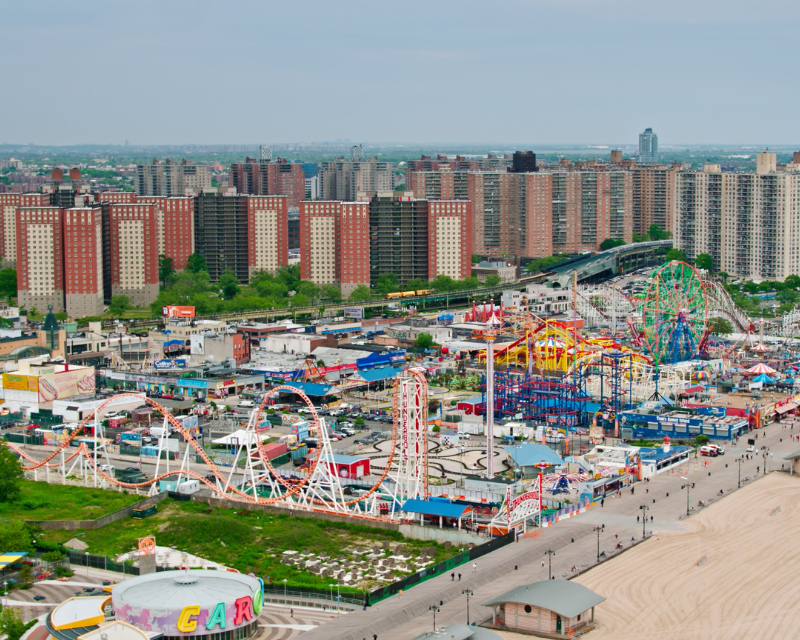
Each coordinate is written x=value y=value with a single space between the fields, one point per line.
x=558 y=74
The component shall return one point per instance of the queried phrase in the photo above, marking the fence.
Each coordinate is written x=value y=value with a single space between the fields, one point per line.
x=278 y=591
x=119 y=514
x=24 y=438
x=565 y=512
x=100 y=562
x=438 y=569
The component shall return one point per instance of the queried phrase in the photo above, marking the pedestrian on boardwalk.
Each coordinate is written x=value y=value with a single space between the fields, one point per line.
x=602 y=502
x=291 y=612
x=453 y=577
x=474 y=566
x=459 y=577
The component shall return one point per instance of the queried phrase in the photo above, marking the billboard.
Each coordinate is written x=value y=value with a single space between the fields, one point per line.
x=16 y=382
x=65 y=384
x=167 y=364
x=356 y=313
x=176 y=311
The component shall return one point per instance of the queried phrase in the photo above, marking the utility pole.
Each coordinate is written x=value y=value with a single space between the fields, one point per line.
x=467 y=593
x=688 y=486
x=550 y=553
x=739 y=460
x=598 y=530
x=644 y=509
x=435 y=610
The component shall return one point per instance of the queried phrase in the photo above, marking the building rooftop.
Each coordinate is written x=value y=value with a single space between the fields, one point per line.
x=565 y=597
x=529 y=454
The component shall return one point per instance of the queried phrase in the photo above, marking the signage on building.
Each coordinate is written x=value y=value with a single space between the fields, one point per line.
x=197 y=345
x=176 y=311
x=356 y=313
x=16 y=382
x=169 y=363
x=65 y=384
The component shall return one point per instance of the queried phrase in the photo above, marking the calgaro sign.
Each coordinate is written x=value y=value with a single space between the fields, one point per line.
x=222 y=616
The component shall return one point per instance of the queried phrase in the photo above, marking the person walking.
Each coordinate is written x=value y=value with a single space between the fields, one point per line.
x=291 y=612
x=474 y=566
x=453 y=577
x=459 y=577
x=602 y=502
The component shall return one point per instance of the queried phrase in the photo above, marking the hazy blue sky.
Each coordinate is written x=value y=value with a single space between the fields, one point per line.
x=504 y=71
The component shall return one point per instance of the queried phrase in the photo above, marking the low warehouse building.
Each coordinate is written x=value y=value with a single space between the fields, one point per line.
x=552 y=608
x=349 y=466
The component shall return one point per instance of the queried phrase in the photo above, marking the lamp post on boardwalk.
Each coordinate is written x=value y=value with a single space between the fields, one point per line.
x=644 y=509
x=435 y=610
x=739 y=460
x=550 y=553
x=468 y=593
x=598 y=530
x=688 y=486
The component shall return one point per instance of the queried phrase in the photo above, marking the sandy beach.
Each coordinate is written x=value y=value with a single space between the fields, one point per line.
x=731 y=575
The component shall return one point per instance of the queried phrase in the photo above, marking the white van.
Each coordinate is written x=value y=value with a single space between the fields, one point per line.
x=246 y=404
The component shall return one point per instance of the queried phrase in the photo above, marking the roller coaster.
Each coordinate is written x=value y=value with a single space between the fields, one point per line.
x=252 y=478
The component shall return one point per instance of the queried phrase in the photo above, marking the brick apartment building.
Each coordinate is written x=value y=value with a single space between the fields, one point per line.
x=174 y=227
x=170 y=178
x=9 y=203
x=130 y=261
x=334 y=243
x=342 y=179
x=40 y=259
x=265 y=178
x=83 y=260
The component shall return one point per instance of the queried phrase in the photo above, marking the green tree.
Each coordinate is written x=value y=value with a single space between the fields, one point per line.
x=418 y=284
x=424 y=341
x=119 y=305
x=8 y=283
x=400 y=187
x=443 y=283
x=300 y=300
x=10 y=476
x=492 y=280
x=361 y=294
x=792 y=281
x=701 y=440
x=196 y=263
x=387 y=283
x=475 y=258
x=704 y=261
x=11 y=623
x=610 y=243
x=720 y=326
x=165 y=269
x=676 y=254
x=330 y=292
x=723 y=276
x=308 y=289
x=534 y=266
x=228 y=284
x=657 y=233
x=16 y=535
x=640 y=238
x=750 y=287
x=26 y=574
x=5 y=323
x=787 y=296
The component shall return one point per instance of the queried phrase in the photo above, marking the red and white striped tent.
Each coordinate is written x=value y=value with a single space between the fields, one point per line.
x=759 y=369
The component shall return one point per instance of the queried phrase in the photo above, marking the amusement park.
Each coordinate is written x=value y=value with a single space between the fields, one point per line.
x=352 y=483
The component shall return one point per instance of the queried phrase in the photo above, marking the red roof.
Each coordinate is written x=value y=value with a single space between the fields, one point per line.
x=692 y=390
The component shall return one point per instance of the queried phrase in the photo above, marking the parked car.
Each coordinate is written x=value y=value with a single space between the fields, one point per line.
x=348 y=425
x=106 y=468
x=167 y=396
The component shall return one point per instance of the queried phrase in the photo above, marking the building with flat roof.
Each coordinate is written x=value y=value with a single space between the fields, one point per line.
x=169 y=178
x=270 y=178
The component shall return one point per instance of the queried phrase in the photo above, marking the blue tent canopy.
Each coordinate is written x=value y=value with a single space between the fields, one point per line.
x=429 y=508
x=763 y=378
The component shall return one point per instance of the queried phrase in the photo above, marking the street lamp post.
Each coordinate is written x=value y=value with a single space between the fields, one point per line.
x=87 y=562
x=467 y=593
x=435 y=610
x=284 y=587
x=739 y=460
x=598 y=530
x=550 y=553
x=331 y=586
x=644 y=509
x=688 y=486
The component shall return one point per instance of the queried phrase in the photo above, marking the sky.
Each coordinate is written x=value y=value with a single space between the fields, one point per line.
x=414 y=72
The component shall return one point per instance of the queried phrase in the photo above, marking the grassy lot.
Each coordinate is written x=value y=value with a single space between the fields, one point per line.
x=42 y=501
x=249 y=541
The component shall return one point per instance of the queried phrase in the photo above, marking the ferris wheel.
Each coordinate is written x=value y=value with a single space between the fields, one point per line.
x=674 y=314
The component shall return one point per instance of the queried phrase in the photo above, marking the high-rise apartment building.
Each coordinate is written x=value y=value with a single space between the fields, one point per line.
x=418 y=239
x=523 y=162
x=267 y=178
x=334 y=243
x=170 y=178
x=749 y=223
x=83 y=261
x=40 y=258
x=130 y=261
x=342 y=179
x=537 y=214
x=243 y=233
x=459 y=163
x=174 y=227
x=648 y=147
x=653 y=194
x=9 y=203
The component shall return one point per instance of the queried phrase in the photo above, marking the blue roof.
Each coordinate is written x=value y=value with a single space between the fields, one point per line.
x=529 y=454
x=374 y=375
x=428 y=508
x=310 y=388
x=341 y=459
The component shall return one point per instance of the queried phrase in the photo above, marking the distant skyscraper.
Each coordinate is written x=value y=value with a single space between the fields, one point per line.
x=523 y=162
x=648 y=146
